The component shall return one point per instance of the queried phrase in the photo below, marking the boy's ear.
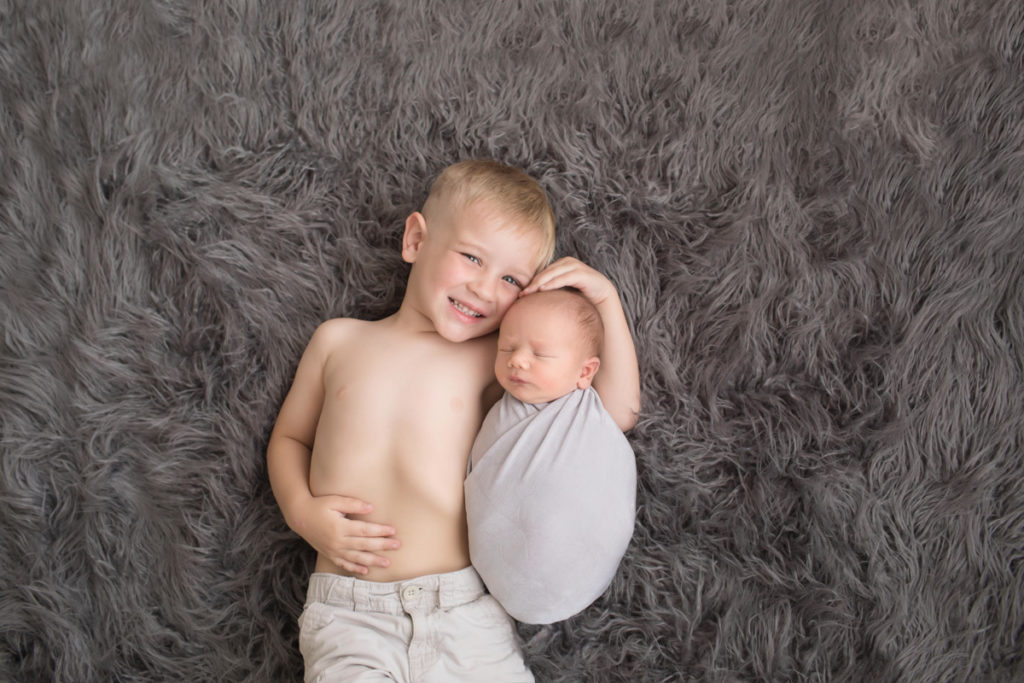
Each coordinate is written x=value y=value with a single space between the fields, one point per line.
x=587 y=372
x=415 y=233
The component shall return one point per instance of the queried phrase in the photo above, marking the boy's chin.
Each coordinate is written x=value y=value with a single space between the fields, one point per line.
x=461 y=333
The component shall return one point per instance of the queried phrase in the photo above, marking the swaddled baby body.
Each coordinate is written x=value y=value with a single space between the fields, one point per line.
x=551 y=492
x=550 y=502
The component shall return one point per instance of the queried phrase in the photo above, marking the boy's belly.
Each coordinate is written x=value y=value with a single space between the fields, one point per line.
x=428 y=547
x=419 y=493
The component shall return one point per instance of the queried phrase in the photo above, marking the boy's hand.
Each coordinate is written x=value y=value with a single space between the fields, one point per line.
x=323 y=523
x=571 y=272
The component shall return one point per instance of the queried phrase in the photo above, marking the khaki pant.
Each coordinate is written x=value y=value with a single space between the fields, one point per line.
x=442 y=627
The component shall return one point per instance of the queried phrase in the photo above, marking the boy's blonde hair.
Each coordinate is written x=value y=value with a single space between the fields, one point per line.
x=512 y=189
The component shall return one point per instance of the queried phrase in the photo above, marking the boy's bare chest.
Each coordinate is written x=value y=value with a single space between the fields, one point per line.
x=421 y=393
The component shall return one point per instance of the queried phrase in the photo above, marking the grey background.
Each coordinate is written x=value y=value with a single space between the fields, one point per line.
x=812 y=211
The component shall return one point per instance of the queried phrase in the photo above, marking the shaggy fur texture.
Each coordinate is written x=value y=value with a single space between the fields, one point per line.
x=813 y=211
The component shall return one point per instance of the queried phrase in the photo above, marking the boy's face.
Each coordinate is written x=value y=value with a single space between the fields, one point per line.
x=469 y=264
x=541 y=352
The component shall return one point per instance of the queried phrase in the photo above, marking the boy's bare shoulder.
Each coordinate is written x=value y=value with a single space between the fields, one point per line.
x=331 y=334
x=339 y=328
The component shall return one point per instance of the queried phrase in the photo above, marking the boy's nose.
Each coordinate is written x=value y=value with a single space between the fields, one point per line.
x=483 y=287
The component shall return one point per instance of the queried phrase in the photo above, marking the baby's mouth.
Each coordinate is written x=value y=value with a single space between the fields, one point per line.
x=464 y=309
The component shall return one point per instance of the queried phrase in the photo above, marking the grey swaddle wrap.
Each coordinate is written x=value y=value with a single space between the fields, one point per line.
x=550 y=501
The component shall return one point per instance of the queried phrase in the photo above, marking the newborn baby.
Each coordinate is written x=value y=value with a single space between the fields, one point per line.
x=551 y=492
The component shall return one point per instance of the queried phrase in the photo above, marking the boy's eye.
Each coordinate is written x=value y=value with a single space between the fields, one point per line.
x=472 y=258
x=512 y=281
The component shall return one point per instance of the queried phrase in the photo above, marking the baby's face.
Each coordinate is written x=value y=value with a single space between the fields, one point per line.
x=541 y=352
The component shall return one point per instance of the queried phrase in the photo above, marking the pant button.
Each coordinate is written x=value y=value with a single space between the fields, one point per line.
x=410 y=592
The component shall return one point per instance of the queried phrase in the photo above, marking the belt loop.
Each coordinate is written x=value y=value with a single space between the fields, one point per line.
x=451 y=591
x=360 y=595
x=443 y=591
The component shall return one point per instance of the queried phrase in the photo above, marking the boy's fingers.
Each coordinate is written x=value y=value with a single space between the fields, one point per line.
x=373 y=544
x=359 y=562
x=552 y=282
x=370 y=529
x=350 y=567
x=559 y=273
x=542 y=280
x=350 y=506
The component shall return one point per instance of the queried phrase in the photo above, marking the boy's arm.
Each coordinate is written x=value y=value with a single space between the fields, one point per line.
x=320 y=520
x=618 y=380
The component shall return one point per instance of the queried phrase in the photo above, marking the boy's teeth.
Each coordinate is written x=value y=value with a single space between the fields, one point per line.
x=465 y=310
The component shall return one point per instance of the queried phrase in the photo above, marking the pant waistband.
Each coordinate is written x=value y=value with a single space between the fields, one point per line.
x=443 y=591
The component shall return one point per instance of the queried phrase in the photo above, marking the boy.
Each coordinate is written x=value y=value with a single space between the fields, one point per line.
x=551 y=495
x=389 y=409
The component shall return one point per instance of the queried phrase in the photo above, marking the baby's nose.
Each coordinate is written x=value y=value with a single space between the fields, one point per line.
x=517 y=360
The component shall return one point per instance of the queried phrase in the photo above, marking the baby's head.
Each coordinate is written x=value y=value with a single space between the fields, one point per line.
x=548 y=345
x=484 y=232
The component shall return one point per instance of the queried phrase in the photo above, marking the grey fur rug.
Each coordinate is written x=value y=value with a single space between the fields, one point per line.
x=813 y=211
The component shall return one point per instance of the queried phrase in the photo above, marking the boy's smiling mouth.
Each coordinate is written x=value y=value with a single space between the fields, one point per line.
x=464 y=309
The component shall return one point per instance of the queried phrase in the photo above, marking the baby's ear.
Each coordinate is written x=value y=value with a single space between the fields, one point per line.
x=415 y=233
x=587 y=372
